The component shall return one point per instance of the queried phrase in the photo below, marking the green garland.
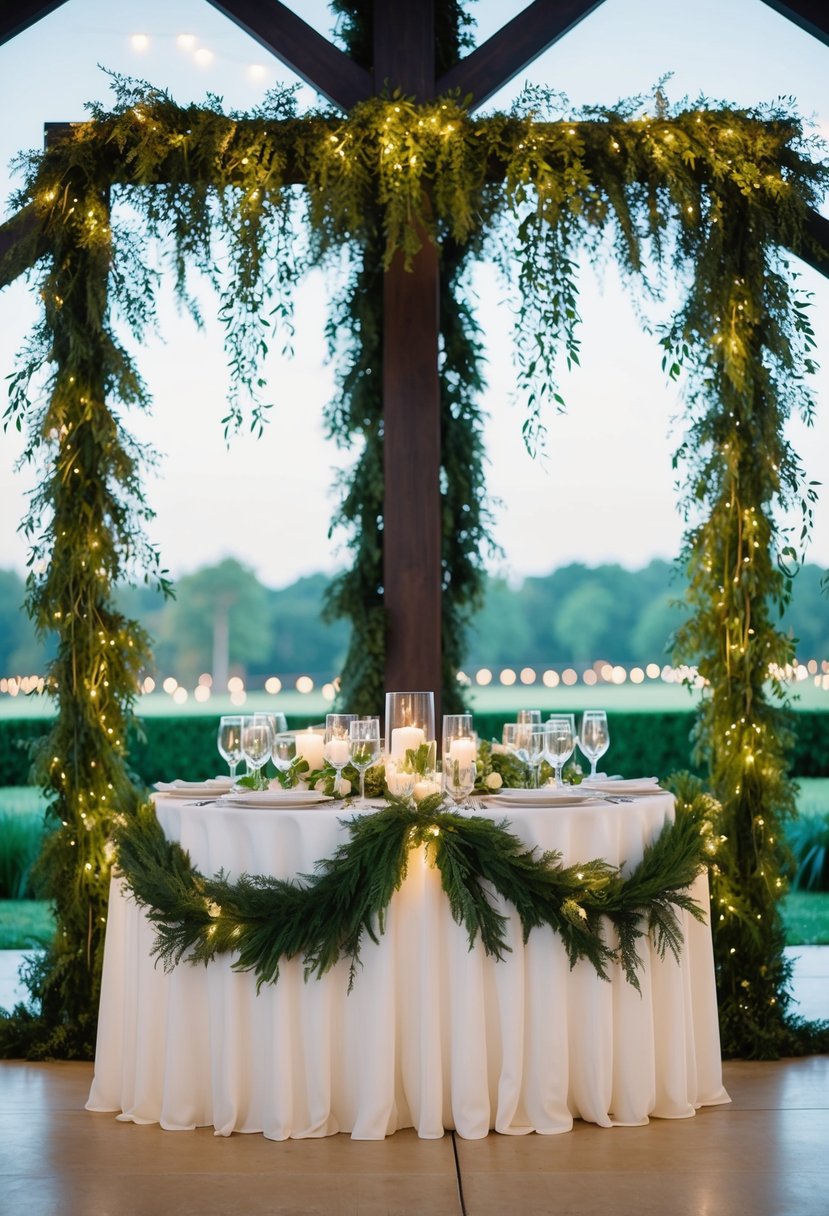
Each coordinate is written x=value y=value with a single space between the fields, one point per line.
x=326 y=916
x=710 y=194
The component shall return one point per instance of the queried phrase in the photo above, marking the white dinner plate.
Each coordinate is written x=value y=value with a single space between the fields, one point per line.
x=546 y=796
x=194 y=789
x=275 y=798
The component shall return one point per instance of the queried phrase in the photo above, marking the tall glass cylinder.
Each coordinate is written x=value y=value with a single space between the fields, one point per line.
x=410 y=722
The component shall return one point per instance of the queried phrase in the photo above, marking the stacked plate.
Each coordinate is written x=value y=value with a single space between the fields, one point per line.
x=214 y=787
x=274 y=798
x=548 y=795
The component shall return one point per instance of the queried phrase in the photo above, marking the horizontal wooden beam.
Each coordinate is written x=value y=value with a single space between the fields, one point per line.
x=811 y=15
x=491 y=65
x=18 y=16
x=316 y=60
x=20 y=245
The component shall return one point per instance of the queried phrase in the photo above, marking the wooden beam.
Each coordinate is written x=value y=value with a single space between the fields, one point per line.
x=21 y=245
x=811 y=15
x=517 y=44
x=20 y=15
x=814 y=250
x=316 y=60
x=404 y=58
x=404 y=48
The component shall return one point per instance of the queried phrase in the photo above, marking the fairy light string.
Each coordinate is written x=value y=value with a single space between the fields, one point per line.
x=704 y=196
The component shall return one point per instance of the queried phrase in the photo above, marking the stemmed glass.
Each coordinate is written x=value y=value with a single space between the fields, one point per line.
x=459 y=776
x=364 y=748
x=559 y=744
x=536 y=750
x=229 y=741
x=283 y=751
x=594 y=737
x=336 y=745
x=257 y=742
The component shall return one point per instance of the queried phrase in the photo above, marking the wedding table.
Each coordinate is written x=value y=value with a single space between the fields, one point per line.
x=433 y=1035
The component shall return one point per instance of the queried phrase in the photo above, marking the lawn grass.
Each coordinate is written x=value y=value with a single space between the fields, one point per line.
x=25 y=923
x=806 y=918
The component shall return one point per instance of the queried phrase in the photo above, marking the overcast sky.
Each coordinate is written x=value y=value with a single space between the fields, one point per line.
x=270 y=502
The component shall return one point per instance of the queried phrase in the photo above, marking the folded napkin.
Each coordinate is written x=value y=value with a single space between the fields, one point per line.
x=621 y=785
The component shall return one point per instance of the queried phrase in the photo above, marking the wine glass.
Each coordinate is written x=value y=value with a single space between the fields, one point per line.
x=364 y=748
x=559 y=744
x=229 y=741
x=459 y=776
x=336 y=746
x=257 y=742
x=536 y=750
x=526 y=720
x=283 y=751
x=594 y=737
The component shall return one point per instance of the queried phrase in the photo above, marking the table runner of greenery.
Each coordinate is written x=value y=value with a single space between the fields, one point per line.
x=325 y=916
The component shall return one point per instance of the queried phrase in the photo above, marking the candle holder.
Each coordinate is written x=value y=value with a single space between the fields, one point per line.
x=411 y=750
x=460 y=754
x=410 y=721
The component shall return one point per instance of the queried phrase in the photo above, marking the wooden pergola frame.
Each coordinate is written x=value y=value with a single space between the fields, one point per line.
x=404 y=58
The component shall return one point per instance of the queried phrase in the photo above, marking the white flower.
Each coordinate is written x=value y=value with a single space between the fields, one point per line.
x=494 y=781
x=343 y=788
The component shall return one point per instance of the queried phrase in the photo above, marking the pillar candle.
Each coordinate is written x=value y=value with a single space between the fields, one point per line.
x=405 y=738
x=463 y=750
x=336 y=752
x=310 y=747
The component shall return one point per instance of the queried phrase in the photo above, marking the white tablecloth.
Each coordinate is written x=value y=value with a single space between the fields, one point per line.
x=433 y=1035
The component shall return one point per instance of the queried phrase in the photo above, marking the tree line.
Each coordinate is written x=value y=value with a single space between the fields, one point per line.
x=224 y=619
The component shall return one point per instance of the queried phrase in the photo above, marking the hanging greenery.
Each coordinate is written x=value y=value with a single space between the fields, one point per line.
x=712 y=196
x=326 y=916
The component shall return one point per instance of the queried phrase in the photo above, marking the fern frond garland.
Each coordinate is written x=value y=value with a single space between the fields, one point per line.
x=326 y=916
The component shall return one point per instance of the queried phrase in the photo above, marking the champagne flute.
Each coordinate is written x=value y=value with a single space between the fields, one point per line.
x=559 y=744
x=257 y=742
x=335 y=746
x=594 y=737
x=229 y=741
x=364 y=748
x=536 y=750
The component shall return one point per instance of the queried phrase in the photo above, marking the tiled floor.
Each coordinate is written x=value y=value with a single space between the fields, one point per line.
x=764 y=1154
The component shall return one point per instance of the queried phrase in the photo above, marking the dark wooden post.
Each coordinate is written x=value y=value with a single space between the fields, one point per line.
x=404 y=57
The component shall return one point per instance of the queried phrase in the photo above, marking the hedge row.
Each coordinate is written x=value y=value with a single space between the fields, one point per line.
x=647 y=743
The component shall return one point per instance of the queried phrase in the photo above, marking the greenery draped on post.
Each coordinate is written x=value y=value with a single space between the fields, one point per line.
x=707 y=195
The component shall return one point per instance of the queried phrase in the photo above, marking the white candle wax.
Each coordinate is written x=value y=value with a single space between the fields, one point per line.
x=405 y=738
x=463 y=750
x=336 y=752
x=424 y=788
x=310 y=747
